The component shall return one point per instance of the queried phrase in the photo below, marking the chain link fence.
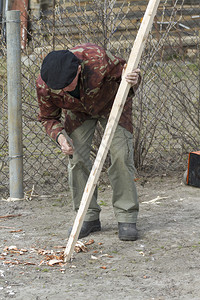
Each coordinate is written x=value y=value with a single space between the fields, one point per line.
x=166 y=108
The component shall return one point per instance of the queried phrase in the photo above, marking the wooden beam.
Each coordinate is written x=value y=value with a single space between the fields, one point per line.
x=115 y=114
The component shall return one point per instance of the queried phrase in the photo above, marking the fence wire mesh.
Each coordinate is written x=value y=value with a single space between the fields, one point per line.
x=166 y=108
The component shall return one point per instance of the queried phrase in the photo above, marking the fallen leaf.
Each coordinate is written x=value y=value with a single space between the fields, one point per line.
x=80 y=247
x=103 y=267
x=32 y=250
x=62 y=270
x=106 y=255
x=49 y=257
x=44 y=252
x=54 y=262
x=12 y=248
x=93 y=257
x=29 y=263
x=89 y=242
x=77 y=249
x=42 y=262
x=7 y=262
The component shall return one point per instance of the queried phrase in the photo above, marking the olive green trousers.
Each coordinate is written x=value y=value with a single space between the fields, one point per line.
x=121 y=172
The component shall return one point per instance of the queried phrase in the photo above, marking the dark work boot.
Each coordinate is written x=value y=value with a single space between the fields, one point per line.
x=88 y=227
x=127 y=231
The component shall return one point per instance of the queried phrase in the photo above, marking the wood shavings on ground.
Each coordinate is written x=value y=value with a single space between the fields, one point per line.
x=9 y=253
x=49 y=257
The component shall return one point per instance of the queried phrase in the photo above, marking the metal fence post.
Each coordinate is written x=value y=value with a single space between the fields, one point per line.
x=14 y=104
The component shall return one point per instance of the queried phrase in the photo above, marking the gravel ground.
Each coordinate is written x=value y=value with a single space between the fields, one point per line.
x=162 y=264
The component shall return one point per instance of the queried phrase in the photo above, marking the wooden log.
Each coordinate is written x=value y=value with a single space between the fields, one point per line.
x=115 y=114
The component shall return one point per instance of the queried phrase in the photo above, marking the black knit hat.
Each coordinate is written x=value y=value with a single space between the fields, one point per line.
x=59 y=68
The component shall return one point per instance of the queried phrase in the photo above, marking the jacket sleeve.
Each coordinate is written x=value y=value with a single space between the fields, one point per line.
x=49 y=114
x=116 y=66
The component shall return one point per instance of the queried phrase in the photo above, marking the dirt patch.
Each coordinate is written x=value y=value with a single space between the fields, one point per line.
x=162 y=264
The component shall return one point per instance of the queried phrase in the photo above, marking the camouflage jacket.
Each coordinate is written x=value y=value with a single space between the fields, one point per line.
x=99 y=81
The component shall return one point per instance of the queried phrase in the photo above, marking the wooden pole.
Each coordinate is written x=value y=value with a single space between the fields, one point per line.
x=115 y=114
